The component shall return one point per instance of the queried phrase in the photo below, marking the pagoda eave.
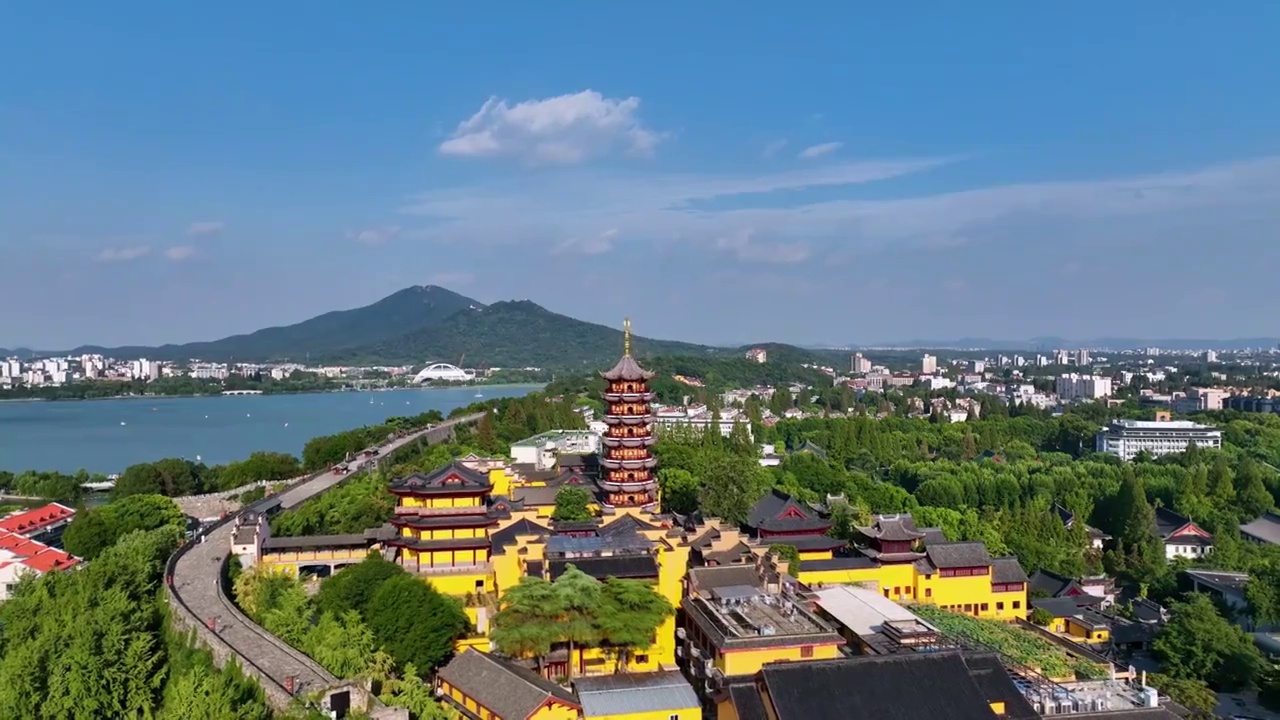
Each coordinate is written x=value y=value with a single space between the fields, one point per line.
x=642 y=486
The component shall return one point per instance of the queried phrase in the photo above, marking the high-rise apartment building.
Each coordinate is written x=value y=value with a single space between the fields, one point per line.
x=859 y=365
x=928 y=365
x=1082 y=387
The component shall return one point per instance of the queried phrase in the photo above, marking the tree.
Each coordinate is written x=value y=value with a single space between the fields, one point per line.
x=415 y=623
x=1194 y=695
x=789 y=554
x=343 y=644
x=486 y=437
x=1143 y=556
x=1262 y=593
x=528 y=619
x=352 y=587
x=1252 y=497
x=1199 y=644
x=629 y=615
x=730 y=488
x=573 y=504
x=1222 y=481
x=580 y=602
x=1041 y=617
x=93 y=531
x=679 y=490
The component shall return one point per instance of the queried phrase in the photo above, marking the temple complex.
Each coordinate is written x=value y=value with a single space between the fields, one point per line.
x=626 y=462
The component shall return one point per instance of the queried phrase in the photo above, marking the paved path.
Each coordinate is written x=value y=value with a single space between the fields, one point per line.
x=197 y=587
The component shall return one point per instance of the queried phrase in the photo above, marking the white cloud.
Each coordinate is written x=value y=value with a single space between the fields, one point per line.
x=815 y=151
x=121 y=254
x=700 y=210
x=565 y=129
x=451 y=279
x=179 y=253
x=596 y=245
x=746 y=248
x=773 y=148
x=205 y=228
x=375 y=235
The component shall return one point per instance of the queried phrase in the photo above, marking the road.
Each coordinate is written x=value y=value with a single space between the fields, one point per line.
x=195 y=583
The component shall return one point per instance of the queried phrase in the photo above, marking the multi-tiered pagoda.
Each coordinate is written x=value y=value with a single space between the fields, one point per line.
x=627 y=476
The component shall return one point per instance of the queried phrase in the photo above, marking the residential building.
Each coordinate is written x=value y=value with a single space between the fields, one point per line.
x=1181 y=536
x=1082 y=387
x=484 y=686
x=859 y=365
x=1265 y=530
x=928 y=365
x=759 y=355
x=1198 y=399
x=21 y=556
x=1126 y=438
x=638 y=696
x=542 y=450
x=43 y=524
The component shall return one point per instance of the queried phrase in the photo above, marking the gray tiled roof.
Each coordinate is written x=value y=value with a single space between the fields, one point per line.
x=959 y=555
x=1265 y=528
x=611 y=695
x=504 y=688
x=1007 y=570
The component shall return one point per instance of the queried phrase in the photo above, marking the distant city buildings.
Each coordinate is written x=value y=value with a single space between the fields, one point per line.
x=859 y=365
x=928 y=365
x=759 y=355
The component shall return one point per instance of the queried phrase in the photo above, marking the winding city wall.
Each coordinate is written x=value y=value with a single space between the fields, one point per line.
x=200 y=601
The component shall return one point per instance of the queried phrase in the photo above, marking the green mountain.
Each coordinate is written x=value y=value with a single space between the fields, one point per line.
x=409 y=310
x=515 y=334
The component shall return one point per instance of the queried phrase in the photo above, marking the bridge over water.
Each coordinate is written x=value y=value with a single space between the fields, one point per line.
x=202 y=602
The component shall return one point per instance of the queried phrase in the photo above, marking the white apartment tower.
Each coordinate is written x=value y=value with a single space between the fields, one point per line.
x=1082 y=387
x=928 y=365
x=859 y=365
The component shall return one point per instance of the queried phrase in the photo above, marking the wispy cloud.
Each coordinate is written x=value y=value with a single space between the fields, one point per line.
x=747 y=248
x=178 y=253
x=595 y=245
x=206 y=227
x=773 y=148
x=565 y=129
x=817 y=151
x=121 y=254
x=702 y=210
x=374 y=235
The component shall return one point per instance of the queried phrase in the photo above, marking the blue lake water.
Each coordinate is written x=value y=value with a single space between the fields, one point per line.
x=106 y=436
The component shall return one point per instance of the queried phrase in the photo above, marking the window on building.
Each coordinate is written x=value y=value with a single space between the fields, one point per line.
x=968 y=607
x=999 y=606
x=897 y=591
x=1017 y=604
x=642 y=658
x=886 y=592
x=928 y=592
x=806 y=651
x=984 y=607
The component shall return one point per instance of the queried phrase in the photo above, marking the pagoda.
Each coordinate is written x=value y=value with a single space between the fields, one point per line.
x=626 y=462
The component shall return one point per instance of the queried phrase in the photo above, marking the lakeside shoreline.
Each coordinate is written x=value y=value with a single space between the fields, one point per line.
x=285 y=392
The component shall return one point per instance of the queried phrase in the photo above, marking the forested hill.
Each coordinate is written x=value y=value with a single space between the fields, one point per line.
x=410 y=309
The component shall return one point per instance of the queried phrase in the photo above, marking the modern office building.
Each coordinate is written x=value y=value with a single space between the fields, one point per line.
x=1126 y=438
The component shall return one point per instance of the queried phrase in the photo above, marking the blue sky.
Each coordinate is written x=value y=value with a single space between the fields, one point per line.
x=721 y=172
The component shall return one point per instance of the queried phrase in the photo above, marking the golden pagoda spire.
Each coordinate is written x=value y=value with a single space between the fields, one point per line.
x=626 y=336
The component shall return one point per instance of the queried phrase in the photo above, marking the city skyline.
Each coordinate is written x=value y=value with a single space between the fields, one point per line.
x=866 y=175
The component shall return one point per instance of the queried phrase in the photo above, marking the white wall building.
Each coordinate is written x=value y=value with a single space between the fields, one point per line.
x=1082 y=387
x=1126 y=438
x=541 y=449
x=928 y=365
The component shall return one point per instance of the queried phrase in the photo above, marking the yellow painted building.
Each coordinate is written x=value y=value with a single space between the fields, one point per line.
x=735 y=619
x=491 y=688
x=907 y=564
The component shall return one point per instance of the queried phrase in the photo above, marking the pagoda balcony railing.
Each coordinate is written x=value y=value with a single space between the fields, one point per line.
x=441 y=511
x=631 y=397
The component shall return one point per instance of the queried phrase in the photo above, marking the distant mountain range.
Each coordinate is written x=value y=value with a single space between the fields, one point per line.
x=1107 y=343
x=418 y=325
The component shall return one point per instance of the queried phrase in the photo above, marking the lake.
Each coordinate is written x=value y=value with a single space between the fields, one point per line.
x=106 y=436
